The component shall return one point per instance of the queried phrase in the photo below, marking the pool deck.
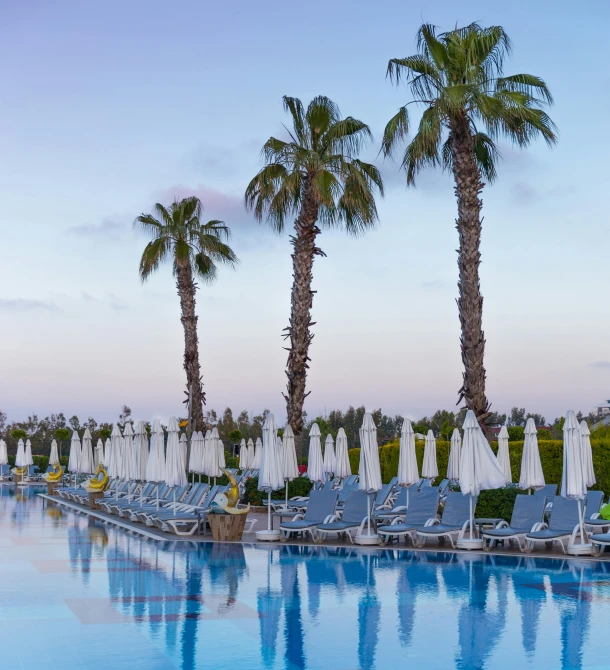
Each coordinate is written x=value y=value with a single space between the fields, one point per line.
x=250 y=538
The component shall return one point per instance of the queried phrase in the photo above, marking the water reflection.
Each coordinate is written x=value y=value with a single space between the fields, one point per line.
x=298 y=607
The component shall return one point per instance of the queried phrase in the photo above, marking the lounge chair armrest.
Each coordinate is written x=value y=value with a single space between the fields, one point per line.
x=298 y=517
x=329 y=518
x=386 y=505
x=503 y=524
x=595 y=515
x=396 y=520
x=334 y=517
x=539 y=526
x=432 y=522
x=576 y=533
x=400 y=508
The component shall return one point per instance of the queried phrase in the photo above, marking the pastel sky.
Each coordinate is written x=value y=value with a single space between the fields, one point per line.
x=109 y=107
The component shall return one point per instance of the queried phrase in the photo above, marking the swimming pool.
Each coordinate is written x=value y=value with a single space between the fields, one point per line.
x=75 y=593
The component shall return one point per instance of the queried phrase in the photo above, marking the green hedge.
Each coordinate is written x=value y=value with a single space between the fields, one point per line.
x=41 y=461
x=551 y=456
x=298 y=487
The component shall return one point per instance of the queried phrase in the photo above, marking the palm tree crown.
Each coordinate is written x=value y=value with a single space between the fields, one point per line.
x=177 y=231
x=320 y=160
x=458 y=77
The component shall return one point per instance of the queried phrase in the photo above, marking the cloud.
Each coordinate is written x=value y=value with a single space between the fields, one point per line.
x=110 y=299
x=20 y=305
x=434 y=285
x=109 y=228
x=524 y=194
x=603 y=365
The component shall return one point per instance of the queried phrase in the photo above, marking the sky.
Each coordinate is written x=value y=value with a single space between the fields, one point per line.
x=110 y=107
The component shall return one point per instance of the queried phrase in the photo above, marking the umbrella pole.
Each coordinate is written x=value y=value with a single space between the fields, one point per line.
x=286 y=494
x=471 y=519
x=141 y=493
x=174 y=499
x=408 y=487
x=580 y=520
x=269 y=511
x=368 y=514
x=157 y=496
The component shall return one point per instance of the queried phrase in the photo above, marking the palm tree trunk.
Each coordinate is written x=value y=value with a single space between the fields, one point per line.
x=468 y=186
x=186 y=290
x=299 y=330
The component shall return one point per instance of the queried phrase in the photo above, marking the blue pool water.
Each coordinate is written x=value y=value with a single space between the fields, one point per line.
x=75 y=593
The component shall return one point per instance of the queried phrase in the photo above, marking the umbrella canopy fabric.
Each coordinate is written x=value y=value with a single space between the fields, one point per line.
x=290 y=469
x=479 y=469
x=258 y=454
x=430 y=468
x=207 y=456
x=184 y=446
x=4 y=452
x=503 y=454
x=344 y=469
x=251 y=456
x=107 y=450
x=330 y=461
x=212 y=453
x=20 y=457
x=220 y=447
x=115 y=462
x=175 y=465
x=85 y=464
x=408 y=472
x=573 y=483
x=130 y=455
x=370 y=469
x=28 y=453
x=315 y=462
x=98 y=453
x=75 y=451
x=587 y=454
x=155 y=468
x=453 y=467
x=271 y=476
x=141 y=448
x=531 y=476
x=197 y=446
x=243 y=455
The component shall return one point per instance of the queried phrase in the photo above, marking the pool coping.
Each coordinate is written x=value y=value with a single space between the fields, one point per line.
x=160 y=536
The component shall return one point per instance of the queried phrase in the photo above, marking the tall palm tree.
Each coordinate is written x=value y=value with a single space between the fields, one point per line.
x=316 y=177
x=457 y=76
x=196 y=250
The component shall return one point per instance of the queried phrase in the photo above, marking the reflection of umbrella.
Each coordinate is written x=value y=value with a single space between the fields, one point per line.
x=574 y=615
x=330 y=462
x=75 y=450
x=453 y=467
x=531 y=476
x=369 y=470
x=430 y=468
x=85 y=464
x=258 y=454
x=269 y=608
x=141 y=447
x=243 y=455
x=293 y=625
x=175 y=467
x=369 y=618
x=315 y=463
x=406 y=608
x=573 y=479
x=290 y=469
x=530 y=602
x=270 y=477
x=408 y=472
x=503 y=455
x=587 y=454
x=343 y=466
x=250 y=454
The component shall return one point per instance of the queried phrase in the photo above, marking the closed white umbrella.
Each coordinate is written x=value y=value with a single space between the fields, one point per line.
x=28 y=453
x=258 y=454
x=315 y=462
x=503 y=454
x=20 y=457
x=587 y=454
x=251 y=455
x=211 y=456
x=270 y=476
x=107 y=450
x=573 y=480
x=75 y=451
x=114 y=462
x=197 y=446
x=430 y=468
x=243 y=455
x=155 y=468
x=344 y=469
x=130 y=453
x=330 y=461
x=453 y=466
x=408 y=472
x=531 y=476
x=479 y=470
x=85 y=465
x=98 y=453
x=4 y=452
x=290 y=468
x=54 y=455
x=184 y=447
x=175 y=460
x=369 y=472
x=141 y=447
x=219 y=447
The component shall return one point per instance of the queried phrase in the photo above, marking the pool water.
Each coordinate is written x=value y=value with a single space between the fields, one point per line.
x=76 y=593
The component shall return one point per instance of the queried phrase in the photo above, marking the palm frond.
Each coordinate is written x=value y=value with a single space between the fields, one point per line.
x=155 y=253
x=525 y=83
x=396 y=130
x=426 y=39
x=295 y=107
x=347 y=136
x=486 y=155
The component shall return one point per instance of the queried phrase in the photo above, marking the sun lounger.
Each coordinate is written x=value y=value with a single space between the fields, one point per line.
x=321 y=508
x=563 y=526
x=422 y=511
x=528 y=512
x=137 y=513
x=454 y=522
x=399 y=507
x=353 y=517
x=193 y=501
x=143 y=492
x=593 y=521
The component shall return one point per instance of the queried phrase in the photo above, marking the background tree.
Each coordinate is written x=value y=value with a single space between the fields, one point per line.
x=196 y=250
x=62 y=435
x=457 y=76
x=317 y=177
x=19 y=434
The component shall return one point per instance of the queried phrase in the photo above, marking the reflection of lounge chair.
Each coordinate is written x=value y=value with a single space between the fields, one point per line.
x=527 y=513
x=353 y=517
x=563 y=525
x=320 y=510
x=455 y=520
x=421 y=512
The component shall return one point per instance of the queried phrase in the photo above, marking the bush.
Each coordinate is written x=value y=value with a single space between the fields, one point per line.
x=497 y=503
x=516 y=433
x=298 y=487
